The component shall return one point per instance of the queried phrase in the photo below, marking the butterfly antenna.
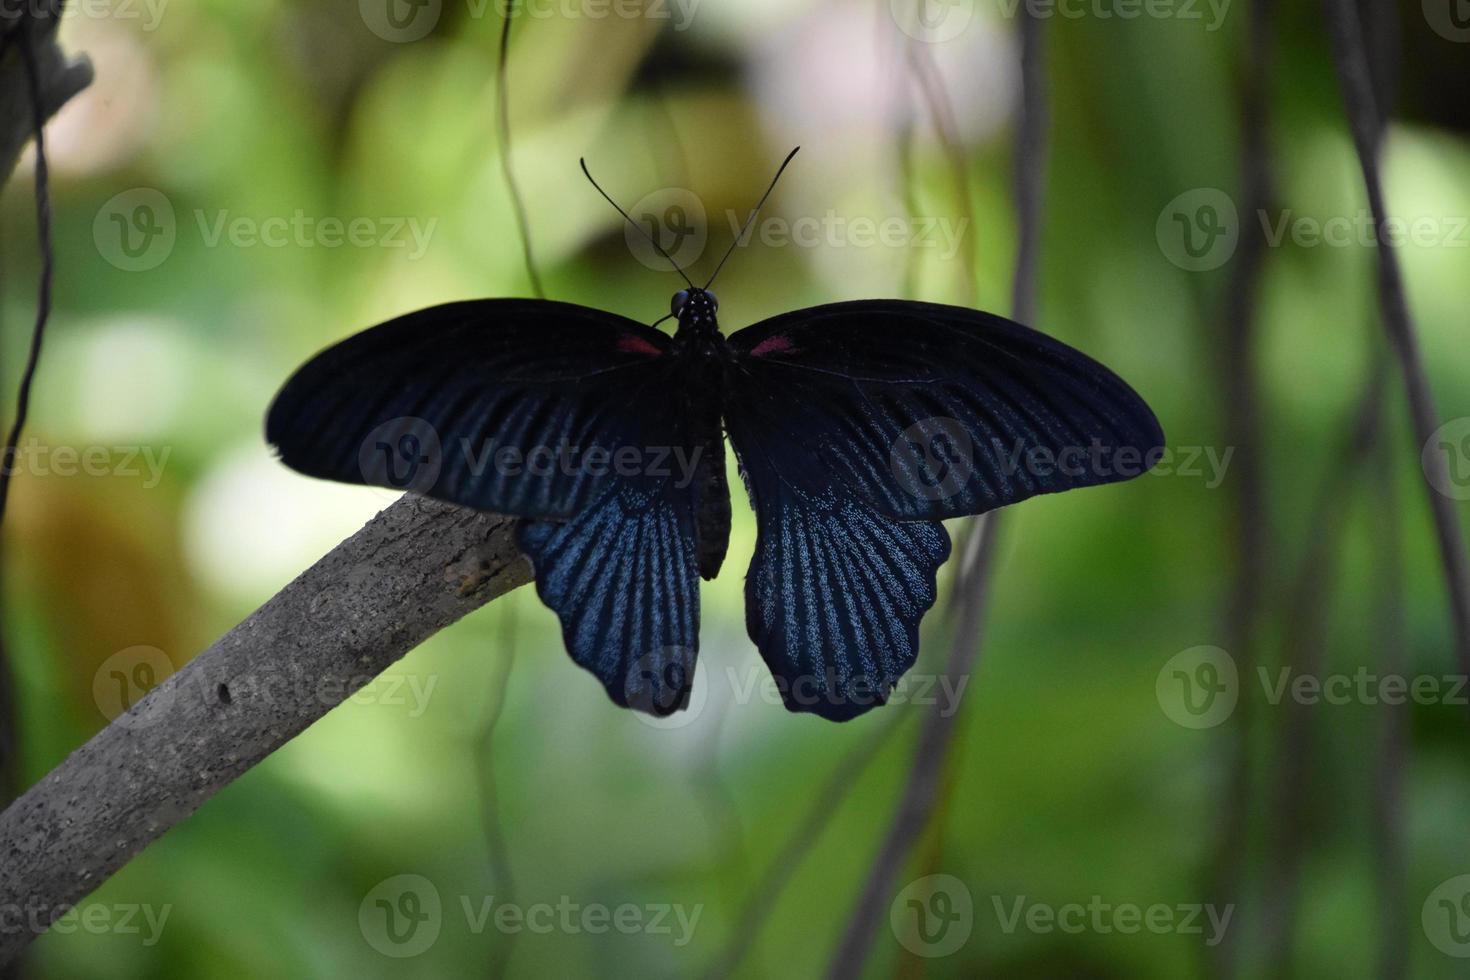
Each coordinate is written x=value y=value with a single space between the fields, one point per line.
x=651 y=240
x=751 y=220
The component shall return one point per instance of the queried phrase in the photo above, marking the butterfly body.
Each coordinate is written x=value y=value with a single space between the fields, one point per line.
x=705 y=357
x=858 y=427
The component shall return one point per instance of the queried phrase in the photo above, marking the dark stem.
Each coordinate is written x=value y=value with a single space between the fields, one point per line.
x=973 y=587
x=1355 y=75
x=43 y=234
x=922 y=787
x=1243 y=432
x=1303 y=640
x=826 y=804
x=492 y=826
x=1388 y=779
x=523 y=223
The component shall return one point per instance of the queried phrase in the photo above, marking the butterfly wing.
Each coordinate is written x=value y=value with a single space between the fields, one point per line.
x=563 y=415
x=512 y=406
x=859 y=426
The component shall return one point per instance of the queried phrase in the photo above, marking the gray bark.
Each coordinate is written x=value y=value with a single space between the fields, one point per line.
x=414 y=569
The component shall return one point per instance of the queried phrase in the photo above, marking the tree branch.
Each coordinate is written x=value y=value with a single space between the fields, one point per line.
x=412 y=570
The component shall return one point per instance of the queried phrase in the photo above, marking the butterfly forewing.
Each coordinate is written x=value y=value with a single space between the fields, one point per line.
x=929 y=411
x=512 y=406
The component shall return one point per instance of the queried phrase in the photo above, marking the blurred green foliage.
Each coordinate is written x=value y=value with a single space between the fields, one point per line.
x=1069 y=781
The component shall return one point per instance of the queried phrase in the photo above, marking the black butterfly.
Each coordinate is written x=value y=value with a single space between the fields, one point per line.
x=858 y=427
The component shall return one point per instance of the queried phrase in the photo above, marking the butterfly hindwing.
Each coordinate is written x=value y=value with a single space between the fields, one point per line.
x=623 y=579
x=858 y=427
x=834 y=596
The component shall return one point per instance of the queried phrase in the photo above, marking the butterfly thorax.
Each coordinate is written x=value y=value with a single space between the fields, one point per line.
x=698 y=326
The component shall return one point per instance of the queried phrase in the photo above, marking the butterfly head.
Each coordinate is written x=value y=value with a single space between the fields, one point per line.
x=696 y=310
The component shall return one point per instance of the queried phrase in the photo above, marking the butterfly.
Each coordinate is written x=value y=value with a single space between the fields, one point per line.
x=857 y=427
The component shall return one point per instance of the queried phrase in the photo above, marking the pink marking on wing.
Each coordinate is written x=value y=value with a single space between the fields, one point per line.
x=634 y=344
x=774 y=344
